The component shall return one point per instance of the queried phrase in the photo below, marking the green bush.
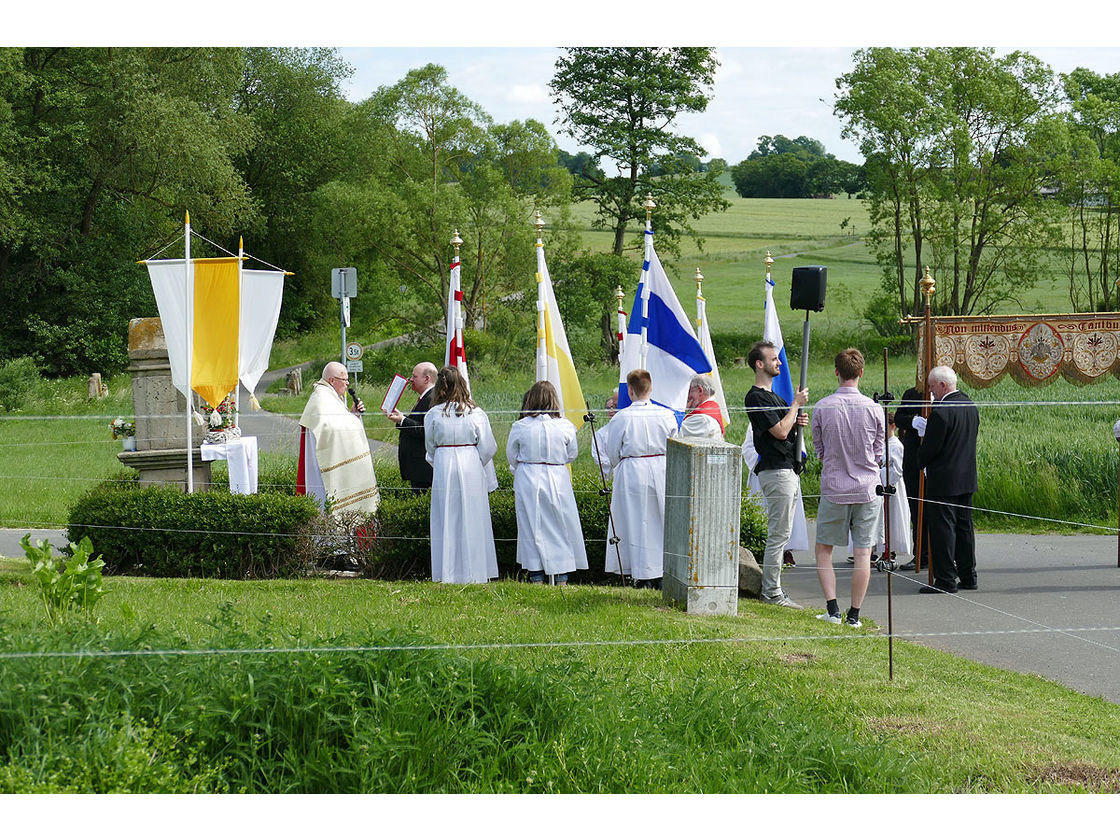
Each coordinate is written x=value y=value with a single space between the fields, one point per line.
x=163 y=532
x=402 y=549
x=18 y=380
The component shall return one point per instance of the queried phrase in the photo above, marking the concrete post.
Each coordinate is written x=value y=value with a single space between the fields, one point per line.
x=703 y=492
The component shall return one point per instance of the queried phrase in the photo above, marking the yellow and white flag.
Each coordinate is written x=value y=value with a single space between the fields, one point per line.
x=554 y=357
x=231 y=324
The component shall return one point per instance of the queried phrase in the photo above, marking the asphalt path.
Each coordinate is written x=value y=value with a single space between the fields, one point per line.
x=1046 y=605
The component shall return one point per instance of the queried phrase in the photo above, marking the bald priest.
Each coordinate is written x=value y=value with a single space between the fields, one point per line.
x=334 y=457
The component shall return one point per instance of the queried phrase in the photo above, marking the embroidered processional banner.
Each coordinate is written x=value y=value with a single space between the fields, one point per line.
x=1034 y=349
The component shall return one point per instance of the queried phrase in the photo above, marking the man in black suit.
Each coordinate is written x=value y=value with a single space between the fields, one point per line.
x=948 y=455
x=410 y=448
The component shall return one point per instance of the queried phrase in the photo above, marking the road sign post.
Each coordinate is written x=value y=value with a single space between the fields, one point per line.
x=344 y=285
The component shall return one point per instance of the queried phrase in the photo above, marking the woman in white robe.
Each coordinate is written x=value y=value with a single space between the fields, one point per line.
x=540 y=446
x=636 y=441
x=459 y=443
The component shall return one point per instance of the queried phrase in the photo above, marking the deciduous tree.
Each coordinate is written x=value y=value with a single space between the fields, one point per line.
x=621 y=102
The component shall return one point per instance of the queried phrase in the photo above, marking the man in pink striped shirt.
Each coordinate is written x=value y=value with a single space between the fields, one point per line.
x=848 y=436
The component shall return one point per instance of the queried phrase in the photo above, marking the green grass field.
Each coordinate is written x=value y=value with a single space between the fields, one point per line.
x=655 y=701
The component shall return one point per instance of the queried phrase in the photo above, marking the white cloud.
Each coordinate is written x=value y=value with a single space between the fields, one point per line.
x=711 y=144
x=528 y=95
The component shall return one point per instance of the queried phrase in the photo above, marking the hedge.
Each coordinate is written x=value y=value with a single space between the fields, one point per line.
x=160 y=531
x=163 y=532
x=402 y=548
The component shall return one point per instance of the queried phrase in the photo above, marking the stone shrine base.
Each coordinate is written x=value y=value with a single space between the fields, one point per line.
x=168 y=466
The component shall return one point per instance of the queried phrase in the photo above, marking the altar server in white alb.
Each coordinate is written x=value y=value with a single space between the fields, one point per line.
x=334 y=456
x=636 y=440
x=540 y=446
x=459 y=444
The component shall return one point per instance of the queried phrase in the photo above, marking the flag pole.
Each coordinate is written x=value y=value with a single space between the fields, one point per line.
x=928 y=284
x=189 y=313
x=621 y=318
x=240 y=315
x=700 y=308
x=542 y=361
x=461 y=352
x=645 y=287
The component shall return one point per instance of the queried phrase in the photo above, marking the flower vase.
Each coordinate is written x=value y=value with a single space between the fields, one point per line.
x=129 y=443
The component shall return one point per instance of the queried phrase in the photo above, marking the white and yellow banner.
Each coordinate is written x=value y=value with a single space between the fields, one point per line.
x=554 y=357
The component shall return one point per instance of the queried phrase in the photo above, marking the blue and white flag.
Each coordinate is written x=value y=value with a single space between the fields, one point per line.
x=660 y=338
x=772 y=332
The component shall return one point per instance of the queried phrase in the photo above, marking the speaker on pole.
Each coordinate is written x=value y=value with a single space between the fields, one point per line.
x=808 y=287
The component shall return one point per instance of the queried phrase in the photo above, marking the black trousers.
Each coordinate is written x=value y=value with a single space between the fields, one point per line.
x=952 y=540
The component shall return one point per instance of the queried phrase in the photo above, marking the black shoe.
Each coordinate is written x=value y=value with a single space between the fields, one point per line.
x=906 y=567
x=936 y=590
x=969 y=586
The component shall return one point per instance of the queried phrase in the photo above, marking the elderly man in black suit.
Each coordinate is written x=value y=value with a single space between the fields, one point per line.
x=948 y=455
x=410 y=448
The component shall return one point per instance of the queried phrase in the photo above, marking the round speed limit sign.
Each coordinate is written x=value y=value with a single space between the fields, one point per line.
x=354 y=351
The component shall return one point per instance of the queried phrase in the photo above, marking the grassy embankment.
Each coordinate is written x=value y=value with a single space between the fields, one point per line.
x=784 y=705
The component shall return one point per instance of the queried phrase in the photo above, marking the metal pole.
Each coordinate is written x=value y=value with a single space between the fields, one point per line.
x=603 y=491
x=799 y=430
x=928 y=285
x=888 y=493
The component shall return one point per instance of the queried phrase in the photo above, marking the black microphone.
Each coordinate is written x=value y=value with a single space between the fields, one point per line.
x=353 y=394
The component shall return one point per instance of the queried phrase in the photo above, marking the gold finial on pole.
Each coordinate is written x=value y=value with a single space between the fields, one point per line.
x=769 y=261
x=539 y=224
x=649 y=209
x=928 y=284
x=699 y=278
x=188 y=217
x=456 y=241
x=618 y=295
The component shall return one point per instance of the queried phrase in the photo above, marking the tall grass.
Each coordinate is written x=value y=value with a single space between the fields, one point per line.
x=793 y=707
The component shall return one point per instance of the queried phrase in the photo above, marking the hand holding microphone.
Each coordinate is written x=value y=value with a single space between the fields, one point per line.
x=359 y=406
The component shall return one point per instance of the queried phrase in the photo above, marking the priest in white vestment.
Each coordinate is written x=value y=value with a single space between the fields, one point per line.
x=459 y=444
x=540 y=446
x=335 y=462
x=636 y=441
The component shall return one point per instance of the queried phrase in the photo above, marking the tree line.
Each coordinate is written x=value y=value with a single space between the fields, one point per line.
x=102 y=150
x=988 y=168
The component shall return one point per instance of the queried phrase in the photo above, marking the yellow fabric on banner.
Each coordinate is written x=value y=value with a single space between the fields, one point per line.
x=217 y=305
x=570 y=391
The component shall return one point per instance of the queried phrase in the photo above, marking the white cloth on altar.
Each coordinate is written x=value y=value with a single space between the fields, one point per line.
x=241 y=457
x=549 y=536
x=636 y=441
x=342 y=452
x=799 y=538
x=459 y=447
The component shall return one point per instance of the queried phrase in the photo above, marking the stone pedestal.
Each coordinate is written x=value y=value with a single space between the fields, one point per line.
x=703 y=490
x=160 y=411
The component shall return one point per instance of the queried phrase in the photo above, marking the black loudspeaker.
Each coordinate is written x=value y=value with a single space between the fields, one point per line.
x=807 y=289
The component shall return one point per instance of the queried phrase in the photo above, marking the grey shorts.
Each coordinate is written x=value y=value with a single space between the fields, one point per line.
x=835 y=521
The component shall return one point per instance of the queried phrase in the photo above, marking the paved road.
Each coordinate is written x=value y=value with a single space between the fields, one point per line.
x=1030 y=587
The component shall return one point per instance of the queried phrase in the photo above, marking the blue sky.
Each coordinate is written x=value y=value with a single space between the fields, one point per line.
x=778 y=61
x=758 y=90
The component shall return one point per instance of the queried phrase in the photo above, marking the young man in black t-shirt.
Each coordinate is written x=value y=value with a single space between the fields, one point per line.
x=772 y=422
